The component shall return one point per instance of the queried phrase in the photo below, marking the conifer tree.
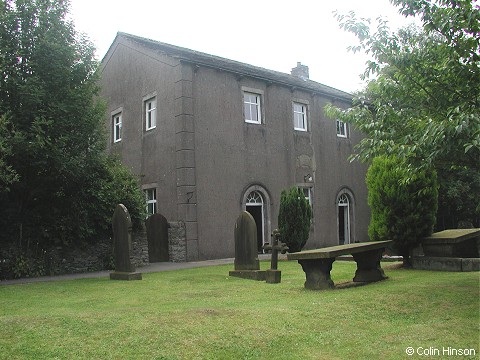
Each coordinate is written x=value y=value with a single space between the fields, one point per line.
x=294 y=219
x=402 y=211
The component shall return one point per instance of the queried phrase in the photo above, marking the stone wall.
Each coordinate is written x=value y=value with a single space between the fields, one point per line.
x=98 y=256
x=177 y=242
x=139 y=255
x=177 y=247
x=56 y=261
x=68 y=260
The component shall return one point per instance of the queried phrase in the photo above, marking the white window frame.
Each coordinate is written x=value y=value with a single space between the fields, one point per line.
x=300 y=116
x=117 y=127
x=341 y=129
x=307 y=192
x=150 y=113
x=257 y=104
x=151 y=200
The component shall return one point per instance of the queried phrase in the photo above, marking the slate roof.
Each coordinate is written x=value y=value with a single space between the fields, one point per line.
x=239 y=68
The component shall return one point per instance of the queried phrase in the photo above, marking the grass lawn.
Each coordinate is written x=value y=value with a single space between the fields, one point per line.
x=205 y=314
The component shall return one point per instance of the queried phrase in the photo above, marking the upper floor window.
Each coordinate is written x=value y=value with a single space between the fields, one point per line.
x=150 y=113
x=117 y=127
x=341 y=129
x=307 y=192
x=300 y=116
x=252 y=110
x=151 y=200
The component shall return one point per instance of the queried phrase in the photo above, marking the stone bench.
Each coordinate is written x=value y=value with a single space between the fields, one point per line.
x=317 y=263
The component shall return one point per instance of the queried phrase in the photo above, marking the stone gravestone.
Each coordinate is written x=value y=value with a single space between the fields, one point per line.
x=247 y=265
x=122 y=239
x=157 y=238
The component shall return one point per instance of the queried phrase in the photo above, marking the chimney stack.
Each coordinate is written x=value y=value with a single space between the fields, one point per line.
x=300 y=71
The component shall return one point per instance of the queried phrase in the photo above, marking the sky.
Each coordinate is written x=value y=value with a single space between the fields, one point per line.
x=273 y=34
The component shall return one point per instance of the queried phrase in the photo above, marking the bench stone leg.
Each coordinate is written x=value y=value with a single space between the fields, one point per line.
x=317 y=273
x=368 y=266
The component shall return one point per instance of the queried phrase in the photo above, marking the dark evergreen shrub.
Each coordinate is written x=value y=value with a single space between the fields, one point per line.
x=403 y=203
x=294 y=219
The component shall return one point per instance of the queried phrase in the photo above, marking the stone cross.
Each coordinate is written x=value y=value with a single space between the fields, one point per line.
x=274 y=275
x=276 y=246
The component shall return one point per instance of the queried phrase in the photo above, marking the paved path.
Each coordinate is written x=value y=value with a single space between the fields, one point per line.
x=150 y=268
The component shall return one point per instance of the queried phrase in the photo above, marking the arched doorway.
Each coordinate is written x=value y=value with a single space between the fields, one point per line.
x=257 y=202
x=343 y=220
x=345 y=217
x=254 y=206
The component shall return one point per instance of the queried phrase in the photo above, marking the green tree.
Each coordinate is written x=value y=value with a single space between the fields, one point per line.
x=294 y=219
x=422 y=100
x=62 y=188
x=7 y=174
x=401 y=211
x=458 y=203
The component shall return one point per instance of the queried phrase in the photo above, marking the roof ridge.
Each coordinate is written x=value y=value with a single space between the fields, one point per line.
x=239 y=67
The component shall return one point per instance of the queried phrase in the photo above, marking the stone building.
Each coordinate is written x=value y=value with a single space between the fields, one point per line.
x=210 y=137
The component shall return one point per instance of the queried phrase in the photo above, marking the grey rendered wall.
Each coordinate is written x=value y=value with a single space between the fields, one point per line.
x=334 y=173
x=202 y=156
x=231 y=155
x=128 y=76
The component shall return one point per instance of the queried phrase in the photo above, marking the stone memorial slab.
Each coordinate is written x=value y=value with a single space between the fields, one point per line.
x=246 y=263
x=122 y=239
x=455 y=243
x=450 y=250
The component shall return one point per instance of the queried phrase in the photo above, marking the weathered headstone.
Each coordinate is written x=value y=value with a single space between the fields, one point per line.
x=247 y=265
x=122 y=239
x=157 y=238
x=273 y=275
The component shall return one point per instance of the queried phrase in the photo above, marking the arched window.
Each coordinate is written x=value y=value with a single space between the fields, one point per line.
x=256 y=201
x=343 y=200
x=254 y=198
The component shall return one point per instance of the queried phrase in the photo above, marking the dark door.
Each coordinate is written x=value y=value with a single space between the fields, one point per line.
x=257 y=214
x=157 y=237
x=341 y=224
